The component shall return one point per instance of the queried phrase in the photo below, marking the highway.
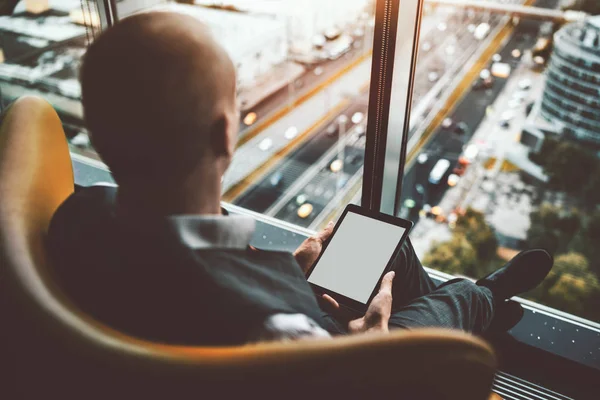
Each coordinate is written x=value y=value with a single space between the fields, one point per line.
x=259 y=194
x=471 y=110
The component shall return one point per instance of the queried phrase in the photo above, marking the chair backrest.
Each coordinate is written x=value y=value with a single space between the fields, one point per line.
x=50 y=348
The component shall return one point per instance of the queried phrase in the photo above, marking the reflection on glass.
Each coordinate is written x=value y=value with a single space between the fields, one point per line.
x=516 y=122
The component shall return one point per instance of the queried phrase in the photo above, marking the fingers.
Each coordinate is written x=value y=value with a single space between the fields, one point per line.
x=332 y=302
x=386 y=283
x=326 y=232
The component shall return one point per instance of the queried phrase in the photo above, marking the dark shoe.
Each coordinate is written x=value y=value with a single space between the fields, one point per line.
x=521 y=274
x=506 y=315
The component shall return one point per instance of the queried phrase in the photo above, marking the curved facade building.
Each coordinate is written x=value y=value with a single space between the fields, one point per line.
x=571 y=100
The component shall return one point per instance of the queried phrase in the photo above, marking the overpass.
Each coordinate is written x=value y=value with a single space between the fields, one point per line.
x=513 y=10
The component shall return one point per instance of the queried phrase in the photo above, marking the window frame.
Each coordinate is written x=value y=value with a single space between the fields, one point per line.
x=385 y=155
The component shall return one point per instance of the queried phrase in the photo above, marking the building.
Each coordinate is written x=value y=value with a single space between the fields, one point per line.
x=255 y=43
x=570 y=106
x=305 y=20
x=41 y=54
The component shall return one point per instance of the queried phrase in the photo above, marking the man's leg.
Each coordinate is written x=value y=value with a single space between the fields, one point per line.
x=411 y=280
x=457 y=304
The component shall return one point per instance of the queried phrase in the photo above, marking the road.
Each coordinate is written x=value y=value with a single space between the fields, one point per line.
x=320 y=184
x=310 y=158
x=471 y=110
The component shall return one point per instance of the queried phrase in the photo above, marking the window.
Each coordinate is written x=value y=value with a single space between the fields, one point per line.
x=306 y=148
x=41 y=46
x=506 y=191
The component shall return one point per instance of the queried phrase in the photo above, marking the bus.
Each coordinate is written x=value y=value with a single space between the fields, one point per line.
x=439 y=170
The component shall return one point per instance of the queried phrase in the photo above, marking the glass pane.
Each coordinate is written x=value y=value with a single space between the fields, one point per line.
x=503 y=151
x=303 y=80
x=41 y=46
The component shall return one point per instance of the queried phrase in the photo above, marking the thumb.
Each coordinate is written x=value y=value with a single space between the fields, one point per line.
x=386 y=283
x=326 y=232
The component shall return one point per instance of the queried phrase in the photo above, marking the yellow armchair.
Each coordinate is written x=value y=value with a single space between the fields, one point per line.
x=52 y=350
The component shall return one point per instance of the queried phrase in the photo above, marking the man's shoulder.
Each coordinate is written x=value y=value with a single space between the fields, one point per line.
x=85 y=208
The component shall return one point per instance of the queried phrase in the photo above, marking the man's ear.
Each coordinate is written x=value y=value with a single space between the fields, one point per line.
x=219 y=137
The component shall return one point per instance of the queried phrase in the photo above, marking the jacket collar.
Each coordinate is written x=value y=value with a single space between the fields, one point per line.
x=213 y=231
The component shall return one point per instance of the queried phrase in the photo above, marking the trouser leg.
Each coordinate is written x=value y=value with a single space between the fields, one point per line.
x=411 y=280
x=457 y=304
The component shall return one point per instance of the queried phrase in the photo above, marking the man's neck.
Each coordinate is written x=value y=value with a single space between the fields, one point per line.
x=198 y=196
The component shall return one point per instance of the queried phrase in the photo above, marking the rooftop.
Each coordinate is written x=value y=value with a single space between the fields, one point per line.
x=594 y=21
x=237 y=32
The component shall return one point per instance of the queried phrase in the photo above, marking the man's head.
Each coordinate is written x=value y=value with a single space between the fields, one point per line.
x=159 y=100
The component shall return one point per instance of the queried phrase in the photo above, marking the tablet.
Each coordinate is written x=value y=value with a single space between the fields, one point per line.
x=359 y=252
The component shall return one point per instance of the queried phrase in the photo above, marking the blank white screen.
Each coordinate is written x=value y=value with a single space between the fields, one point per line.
x=356 y=256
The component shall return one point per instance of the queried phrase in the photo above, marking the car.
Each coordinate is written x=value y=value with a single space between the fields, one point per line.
x=516 y=53
x=276 y=179
x=447 y=123
x=508 y=115
x=450 y=50
x=461 y=128
x=469 y=154
x=439 y=170
x=361 y=131
x=496 y=58
x=81 y=140
x=305 y=210
x=341 y=182
x=301 y=199
x=525 y=84
x=442 y=26
x=520 y=95
x=331 y=130
x=318 y=71
x=422 y=158
x=515 y=103
x=354 y=159
x=433 y=76
x=453 y=180
x=291 y=132
x=250 y=118
x=426 y=46
x=505 y=124
x=459 y=169
x=336 y=165
x=357 y=117
x=265 y=144
x=319 y=41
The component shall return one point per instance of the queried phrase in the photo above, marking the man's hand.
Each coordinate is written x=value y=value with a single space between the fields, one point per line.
x=310 y=249
x=379 y=311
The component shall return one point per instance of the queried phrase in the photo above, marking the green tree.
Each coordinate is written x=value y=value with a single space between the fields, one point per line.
x=477 y=231
x=540 y=238
x=588 y=242
x=591 y=191
x=564 y=165
x=456 y=256
x=552 y=228
x=548 y=147
x=571 y=285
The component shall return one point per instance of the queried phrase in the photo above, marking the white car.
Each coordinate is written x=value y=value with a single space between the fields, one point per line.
x=291 y=132
x=525 y=84
x=265 y=144
x=357 y=117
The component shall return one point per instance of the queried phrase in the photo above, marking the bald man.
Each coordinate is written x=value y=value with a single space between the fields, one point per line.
x=156 y=258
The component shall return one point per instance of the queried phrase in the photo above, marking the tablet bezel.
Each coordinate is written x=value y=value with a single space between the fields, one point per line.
x=341 y=299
